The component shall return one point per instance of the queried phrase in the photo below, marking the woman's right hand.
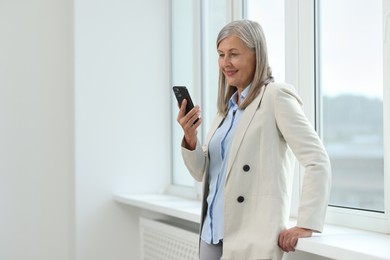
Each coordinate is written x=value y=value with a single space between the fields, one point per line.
x=187 y=122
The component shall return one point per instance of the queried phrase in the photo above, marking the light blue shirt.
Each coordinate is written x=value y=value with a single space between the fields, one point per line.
x=219 y=147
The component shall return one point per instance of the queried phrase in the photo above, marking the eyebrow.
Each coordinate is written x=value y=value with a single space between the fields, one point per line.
x=232 y=49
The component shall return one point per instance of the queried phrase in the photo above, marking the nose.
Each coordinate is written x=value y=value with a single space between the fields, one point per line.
x=226 y=61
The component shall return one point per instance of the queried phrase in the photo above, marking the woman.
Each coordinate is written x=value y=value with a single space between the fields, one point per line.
x=247 y=161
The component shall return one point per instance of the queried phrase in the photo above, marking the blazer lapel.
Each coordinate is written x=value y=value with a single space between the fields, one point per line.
x=242 y=126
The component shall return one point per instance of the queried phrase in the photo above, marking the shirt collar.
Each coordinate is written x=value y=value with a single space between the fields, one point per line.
x=233 y=98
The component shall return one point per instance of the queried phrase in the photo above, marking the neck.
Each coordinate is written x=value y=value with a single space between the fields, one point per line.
x=238 y=98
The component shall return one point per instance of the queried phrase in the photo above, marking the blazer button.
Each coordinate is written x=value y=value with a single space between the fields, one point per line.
x=240 y=199
x=246 y=168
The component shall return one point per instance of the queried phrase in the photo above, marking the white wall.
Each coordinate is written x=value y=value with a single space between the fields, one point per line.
x=36 y=130
x=68 y=141
x=122 y=119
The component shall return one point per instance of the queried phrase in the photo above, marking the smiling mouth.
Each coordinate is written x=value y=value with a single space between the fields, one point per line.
x=230 y=73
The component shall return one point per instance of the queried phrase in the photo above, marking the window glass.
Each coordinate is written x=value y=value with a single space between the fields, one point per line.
x=350 y=70
x=185 y=45
x=213 y=19
x=182 y=51
x=270 y=15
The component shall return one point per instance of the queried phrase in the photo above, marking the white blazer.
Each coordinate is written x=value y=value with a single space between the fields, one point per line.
x=272 y=129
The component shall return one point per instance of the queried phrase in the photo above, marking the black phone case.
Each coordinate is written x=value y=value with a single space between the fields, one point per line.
x=182 y=93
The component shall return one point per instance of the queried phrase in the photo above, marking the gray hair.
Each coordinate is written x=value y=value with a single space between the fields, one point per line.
x=251 y=33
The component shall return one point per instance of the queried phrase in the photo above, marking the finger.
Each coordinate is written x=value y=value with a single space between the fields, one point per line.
x=293 y=243
x=195 y=115
x=281 y=239
x=283 y=242
x=286 y=241
x=183 y=107
x=197 y=122
x=192 y=116
x=195 y=111
x=182 y=112
x=287 y=245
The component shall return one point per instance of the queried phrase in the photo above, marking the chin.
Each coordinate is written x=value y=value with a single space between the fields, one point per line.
x=232 y=83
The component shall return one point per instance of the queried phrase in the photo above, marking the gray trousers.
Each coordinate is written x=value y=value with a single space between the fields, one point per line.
x=210 y=252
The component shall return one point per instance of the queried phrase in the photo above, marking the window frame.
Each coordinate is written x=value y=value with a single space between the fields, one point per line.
x=191 y=192
x=386 y=108
x=198 y=11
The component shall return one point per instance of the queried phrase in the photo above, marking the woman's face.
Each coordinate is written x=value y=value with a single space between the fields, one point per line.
x=236 y=61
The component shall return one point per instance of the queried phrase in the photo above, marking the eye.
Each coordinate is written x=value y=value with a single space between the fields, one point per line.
x=221 y=55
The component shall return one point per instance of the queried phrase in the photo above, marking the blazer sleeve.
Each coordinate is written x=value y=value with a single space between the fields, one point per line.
x=311 y=154
x=195 y=160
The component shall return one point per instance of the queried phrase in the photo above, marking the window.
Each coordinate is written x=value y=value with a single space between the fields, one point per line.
x=270 y=15
x=350 y=44
x=183 y=44
x=195 y=26
x=351 y=114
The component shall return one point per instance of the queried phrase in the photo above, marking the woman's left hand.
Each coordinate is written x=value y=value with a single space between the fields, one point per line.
x=288 y=238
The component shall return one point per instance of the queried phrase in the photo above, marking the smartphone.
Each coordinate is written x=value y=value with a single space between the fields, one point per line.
x=181 y=93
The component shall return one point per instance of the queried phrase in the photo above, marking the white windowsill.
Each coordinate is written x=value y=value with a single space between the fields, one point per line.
x=165 y=204
x=335 y=242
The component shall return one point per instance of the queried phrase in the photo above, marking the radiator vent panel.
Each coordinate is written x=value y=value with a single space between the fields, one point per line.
x=165 y=241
